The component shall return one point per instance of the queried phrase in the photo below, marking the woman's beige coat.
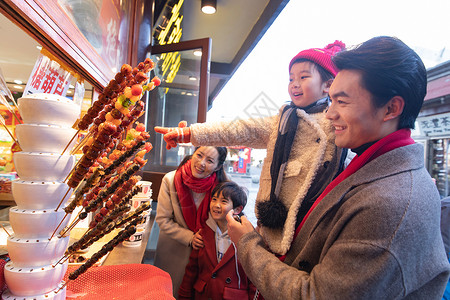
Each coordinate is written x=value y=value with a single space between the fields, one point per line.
x=172 y=250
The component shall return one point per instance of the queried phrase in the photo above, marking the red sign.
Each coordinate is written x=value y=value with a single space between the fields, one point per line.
x=48 y=77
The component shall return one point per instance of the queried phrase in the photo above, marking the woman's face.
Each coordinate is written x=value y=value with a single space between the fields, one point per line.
x=204 y=162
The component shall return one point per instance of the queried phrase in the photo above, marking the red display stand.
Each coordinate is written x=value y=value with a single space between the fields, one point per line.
x=134 y=281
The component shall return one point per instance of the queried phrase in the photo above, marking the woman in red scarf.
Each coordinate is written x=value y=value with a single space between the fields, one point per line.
x=183 y=205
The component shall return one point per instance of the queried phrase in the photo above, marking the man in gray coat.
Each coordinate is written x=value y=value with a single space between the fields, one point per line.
x=374 y=231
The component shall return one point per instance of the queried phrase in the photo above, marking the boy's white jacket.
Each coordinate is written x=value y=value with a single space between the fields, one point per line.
x=313 y=161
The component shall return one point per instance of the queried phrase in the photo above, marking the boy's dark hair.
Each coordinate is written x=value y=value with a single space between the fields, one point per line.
x=388 y=68
x=220 y=173
x=324 y=74
x=231 y=190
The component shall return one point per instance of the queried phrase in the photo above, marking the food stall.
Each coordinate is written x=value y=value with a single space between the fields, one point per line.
x=89 y=41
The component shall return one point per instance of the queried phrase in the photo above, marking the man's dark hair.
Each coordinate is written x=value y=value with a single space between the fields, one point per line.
x=389 y=68
x=231 y=190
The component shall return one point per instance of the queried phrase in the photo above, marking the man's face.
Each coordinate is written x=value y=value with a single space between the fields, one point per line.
x=354 y=117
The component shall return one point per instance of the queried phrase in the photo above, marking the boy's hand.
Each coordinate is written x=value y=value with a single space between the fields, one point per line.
x=175 y=135
x=197 y=241
x=235 y=229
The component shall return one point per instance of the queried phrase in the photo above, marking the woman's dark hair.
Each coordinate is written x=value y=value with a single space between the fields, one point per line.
x=388 y=68
x=231 y=190
x=324 y=74
x=220 y=172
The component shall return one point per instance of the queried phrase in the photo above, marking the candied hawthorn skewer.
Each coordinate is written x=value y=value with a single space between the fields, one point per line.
x=115 y=200
x=108 y=247
x=134 y=214
x=112 y=118
x=110 y=227
x=126 y=76
x=101 y=139
x=114 y=87
x=90 y=182
x=104 y=194
x=99 y=229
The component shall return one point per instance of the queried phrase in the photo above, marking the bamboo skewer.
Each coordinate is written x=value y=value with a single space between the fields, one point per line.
x=5 y=102
x=58 y=226
x=71 y=226
x=62 y=286
x=60 y=202
x=81 y=144
x=5 y=229
x=68 y=144
x=2 y=120
x=64 y=256
x=73 y=170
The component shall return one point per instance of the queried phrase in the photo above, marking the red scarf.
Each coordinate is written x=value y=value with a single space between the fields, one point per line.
x=186 y=182
x=390 y=142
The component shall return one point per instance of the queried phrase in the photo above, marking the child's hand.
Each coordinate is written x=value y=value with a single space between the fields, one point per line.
x=237 y=229
x=175 y=135
x=197 y=241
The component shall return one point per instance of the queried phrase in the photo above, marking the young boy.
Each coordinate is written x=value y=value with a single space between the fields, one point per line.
x=302 y=158
x=213 y=271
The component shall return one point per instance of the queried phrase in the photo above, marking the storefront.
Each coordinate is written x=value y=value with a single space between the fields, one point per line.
x=433 y=126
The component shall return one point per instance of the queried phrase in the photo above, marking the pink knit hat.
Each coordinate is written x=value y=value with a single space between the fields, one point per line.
x=322 y=57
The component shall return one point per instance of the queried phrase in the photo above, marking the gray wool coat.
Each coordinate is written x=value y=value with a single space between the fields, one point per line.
x=312 y=163
x=374 y=236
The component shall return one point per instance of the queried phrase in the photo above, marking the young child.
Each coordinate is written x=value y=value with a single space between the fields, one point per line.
x=302 y=158
x=213 y=271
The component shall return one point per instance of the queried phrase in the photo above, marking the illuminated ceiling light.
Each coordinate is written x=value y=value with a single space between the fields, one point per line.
x=69 y=92
x=188 y=94
x=209 y=6
x=198 y=52
x=18 y=87
x=183 y=93
x=71 y=86
x=39 y=47
x=192 y=78
x=18 y=81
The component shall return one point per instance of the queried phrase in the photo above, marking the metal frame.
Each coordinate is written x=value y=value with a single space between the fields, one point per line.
x=205 y=46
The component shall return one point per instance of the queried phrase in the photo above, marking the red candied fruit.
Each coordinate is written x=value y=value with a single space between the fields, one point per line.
x=110 y=204
x=98 y=217
x=104 y=211
x=148 y=147
x=136 y=90
x=156 y=81
x=126 y=69
x=140 y=127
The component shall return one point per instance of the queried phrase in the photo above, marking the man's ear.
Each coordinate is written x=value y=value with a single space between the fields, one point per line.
x=327 y=85
x=238 y=210
x=394 y=108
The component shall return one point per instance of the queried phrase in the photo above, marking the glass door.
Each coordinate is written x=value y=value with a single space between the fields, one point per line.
x=182 y=95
